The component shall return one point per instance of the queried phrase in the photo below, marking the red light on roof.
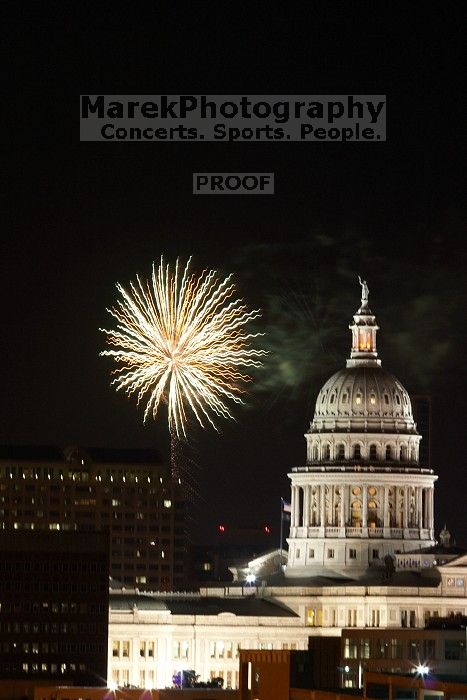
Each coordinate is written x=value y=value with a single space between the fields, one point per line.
x=221 y=528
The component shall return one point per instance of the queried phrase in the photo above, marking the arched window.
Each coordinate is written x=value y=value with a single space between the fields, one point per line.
x=341 y=451
x=344 y=398
x=327 y=452
x=398 y=399
x=373 y=452
x=358 y=398
x=357 y=452
x=386 y=399
x=388 y=452
x=314 y=453
x=333 y=396
x=372 y=399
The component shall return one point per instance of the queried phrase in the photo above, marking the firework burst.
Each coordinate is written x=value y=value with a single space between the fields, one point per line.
x=180 y=339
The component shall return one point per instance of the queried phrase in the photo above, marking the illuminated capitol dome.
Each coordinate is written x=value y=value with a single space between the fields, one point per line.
x=361 y=495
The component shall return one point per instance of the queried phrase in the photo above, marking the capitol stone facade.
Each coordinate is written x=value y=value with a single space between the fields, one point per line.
x=362 y=495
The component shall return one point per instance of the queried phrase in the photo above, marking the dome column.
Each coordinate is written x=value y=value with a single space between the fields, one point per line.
x=406 y=508
x=386 y=519
x=342 y=510
x=364 y=506
x=322 y=507
x=419 y=507
x=293 y=507
x=306 y=506
x=430 y=512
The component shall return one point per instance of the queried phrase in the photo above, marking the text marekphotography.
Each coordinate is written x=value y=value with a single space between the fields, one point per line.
x=308 y=118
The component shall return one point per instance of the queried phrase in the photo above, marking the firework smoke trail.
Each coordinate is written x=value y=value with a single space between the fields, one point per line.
x=180 y=339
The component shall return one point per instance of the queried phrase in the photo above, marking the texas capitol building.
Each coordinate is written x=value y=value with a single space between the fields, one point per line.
x=362 y=549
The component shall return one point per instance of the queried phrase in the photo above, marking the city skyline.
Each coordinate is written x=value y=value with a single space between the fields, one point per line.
x=81 y=216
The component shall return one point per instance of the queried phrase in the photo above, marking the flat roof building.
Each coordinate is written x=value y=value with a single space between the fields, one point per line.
x=54 y=606
x=127 y=493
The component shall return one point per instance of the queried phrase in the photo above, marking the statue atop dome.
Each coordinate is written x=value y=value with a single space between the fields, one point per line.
x=365 y=292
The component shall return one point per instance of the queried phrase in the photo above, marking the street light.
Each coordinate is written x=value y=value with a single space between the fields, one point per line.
x=422 y=670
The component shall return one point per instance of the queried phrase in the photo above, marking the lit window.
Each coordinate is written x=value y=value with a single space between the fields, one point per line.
x=167 y=503
x=358 y=399
x=364 y=648
x=372 y=399
x=350 y=648
x=314 y=617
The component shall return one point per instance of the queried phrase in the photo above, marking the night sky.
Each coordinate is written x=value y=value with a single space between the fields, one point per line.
x=78 y=217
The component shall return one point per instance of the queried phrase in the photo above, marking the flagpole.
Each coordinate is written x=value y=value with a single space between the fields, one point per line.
x=280 y=543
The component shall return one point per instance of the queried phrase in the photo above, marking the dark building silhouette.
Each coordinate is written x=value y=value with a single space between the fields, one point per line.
x=128 y=494
x=54 y=606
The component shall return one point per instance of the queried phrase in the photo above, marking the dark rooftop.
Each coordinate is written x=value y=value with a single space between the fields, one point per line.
x=44 y=453
x=248 y=605
x=98 y=455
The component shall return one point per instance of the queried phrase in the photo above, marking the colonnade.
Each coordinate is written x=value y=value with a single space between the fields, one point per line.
x=362 y=505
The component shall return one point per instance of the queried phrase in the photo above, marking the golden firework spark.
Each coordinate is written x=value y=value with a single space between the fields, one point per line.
x=180 y=339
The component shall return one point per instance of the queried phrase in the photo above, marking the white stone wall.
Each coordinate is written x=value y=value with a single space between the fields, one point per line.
x=321 y=611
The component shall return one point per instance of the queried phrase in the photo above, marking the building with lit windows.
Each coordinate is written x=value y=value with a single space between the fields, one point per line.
x=128 y=494
x=439 y=648
x=154 y=636
x=54 y=599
